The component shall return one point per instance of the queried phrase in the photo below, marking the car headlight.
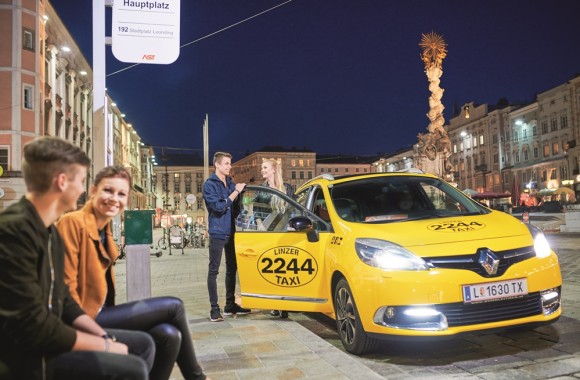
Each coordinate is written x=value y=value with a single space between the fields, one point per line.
x=541 y=245
x=387 y=255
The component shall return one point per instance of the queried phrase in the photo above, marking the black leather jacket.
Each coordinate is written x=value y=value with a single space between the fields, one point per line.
x=31 y=330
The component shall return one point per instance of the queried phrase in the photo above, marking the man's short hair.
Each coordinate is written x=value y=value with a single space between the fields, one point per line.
x=47 y=157
x=217 y=157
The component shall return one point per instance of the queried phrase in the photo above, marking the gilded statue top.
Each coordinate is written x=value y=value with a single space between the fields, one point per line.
x=434 y=49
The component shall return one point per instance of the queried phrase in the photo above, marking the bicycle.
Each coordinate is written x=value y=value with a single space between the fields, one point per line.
x=163 y=242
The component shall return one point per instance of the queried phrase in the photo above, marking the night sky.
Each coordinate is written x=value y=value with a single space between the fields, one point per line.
x=333 y=76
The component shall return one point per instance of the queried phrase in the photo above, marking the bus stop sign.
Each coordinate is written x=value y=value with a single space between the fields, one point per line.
x=146 y=31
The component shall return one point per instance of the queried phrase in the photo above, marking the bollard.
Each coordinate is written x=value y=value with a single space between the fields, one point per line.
x=138 y=237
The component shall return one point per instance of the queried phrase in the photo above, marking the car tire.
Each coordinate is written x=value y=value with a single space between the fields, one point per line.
x=348 y=323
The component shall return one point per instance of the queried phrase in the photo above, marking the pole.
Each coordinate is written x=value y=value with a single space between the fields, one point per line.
x=102 y=130
x=206 y=156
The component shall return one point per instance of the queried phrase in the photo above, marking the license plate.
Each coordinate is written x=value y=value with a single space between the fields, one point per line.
x=495 y=290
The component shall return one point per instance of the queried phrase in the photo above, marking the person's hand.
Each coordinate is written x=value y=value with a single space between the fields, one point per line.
x=118 y=348
x=240 y=187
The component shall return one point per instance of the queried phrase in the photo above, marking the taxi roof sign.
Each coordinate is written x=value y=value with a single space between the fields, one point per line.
x=146 y=31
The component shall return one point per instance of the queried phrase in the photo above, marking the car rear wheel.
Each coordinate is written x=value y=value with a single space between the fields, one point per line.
x=350 y=329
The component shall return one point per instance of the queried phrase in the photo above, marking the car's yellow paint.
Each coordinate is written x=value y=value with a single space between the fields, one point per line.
x=372 y=287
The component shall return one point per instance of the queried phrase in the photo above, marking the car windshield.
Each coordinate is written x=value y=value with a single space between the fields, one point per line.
x=400 y=198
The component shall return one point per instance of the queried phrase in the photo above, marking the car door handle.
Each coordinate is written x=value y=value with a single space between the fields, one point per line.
x=249 y=253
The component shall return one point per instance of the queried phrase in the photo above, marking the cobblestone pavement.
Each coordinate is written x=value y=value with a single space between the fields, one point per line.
x=306 y=346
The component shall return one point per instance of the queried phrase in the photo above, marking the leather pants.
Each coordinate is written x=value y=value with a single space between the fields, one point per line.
x=164 y=318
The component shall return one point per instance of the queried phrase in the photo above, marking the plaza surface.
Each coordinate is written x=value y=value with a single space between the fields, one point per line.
x=258 y=346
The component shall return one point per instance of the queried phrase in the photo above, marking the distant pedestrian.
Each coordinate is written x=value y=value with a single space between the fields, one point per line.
x=272 y=175
x=221 y=197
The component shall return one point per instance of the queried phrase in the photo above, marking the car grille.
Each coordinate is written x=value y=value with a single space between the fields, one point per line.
x=460 y=314
x=470 y=262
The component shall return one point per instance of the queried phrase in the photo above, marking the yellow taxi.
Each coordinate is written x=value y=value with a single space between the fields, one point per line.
x=393 y=255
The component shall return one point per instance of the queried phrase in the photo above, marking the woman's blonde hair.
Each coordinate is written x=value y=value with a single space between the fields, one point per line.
x=277 y=203
x=278 y=179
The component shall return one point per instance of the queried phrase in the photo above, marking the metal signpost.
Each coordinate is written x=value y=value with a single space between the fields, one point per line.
x=142 y=32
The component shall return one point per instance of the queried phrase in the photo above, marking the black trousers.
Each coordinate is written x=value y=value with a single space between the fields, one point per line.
x=164 y=318
x=216 y=248
x=93 y=365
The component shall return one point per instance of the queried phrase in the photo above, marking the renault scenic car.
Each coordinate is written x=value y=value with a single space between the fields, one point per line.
x=393 y=255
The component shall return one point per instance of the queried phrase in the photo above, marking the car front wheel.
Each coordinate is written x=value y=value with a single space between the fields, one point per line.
x=352 y=334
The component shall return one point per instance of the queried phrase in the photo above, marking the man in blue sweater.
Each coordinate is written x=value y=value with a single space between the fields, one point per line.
x=221 y=197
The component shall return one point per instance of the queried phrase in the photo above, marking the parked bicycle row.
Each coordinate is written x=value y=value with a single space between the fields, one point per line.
x=179 y=238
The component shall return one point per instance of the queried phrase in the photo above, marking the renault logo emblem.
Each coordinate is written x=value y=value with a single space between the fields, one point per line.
x=488 y=260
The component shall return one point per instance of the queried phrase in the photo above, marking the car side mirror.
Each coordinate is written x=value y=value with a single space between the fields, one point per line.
x=304 y=224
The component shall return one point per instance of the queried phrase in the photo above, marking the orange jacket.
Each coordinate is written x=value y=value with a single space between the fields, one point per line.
x=86 y=261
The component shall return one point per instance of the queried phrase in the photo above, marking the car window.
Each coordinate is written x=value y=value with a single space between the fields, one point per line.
x=267 y=209
x=395 y=198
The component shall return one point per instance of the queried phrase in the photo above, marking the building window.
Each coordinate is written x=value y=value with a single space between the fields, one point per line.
x=28 y=39
x=553 y=174
x=544 y=177
x=554 y=124
x=544 y=126
x=555 y=148
x=536 y=152
x=4 y=158
x=198 y=186
x=516 y=138
x=28 y=97
x=507 y=136
x=293 y=175
x=546 y=150
x=516 y=157
x=293 y=163
x=564 y=121
x=535 y=130
x=526 y=155
x=322 y=170
x=199 y=203
x=495 y=158
x=301 y=163
x=454 y=148
x=301 y=175
x=481 y=140
x=494 y=139
x=309 y=175
x=474 y=141
x=525 y=134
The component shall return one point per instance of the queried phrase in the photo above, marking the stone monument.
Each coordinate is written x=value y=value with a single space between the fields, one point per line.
x=434 y=147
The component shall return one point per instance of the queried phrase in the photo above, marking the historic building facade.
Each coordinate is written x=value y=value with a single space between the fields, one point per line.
x=46 y=90
x=45 y=87
x=177 y=183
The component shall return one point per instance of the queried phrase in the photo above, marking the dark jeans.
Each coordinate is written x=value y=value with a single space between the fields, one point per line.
x=164 y=318
x=92 y=365
x=216 y=246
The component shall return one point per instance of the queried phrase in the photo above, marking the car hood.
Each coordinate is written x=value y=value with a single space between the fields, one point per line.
x=454 y=235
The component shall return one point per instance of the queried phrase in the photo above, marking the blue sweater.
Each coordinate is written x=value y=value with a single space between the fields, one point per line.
x=221 y=210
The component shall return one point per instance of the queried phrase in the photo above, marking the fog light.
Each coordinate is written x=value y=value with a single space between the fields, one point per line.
x=550 y=300
x=425 y=318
